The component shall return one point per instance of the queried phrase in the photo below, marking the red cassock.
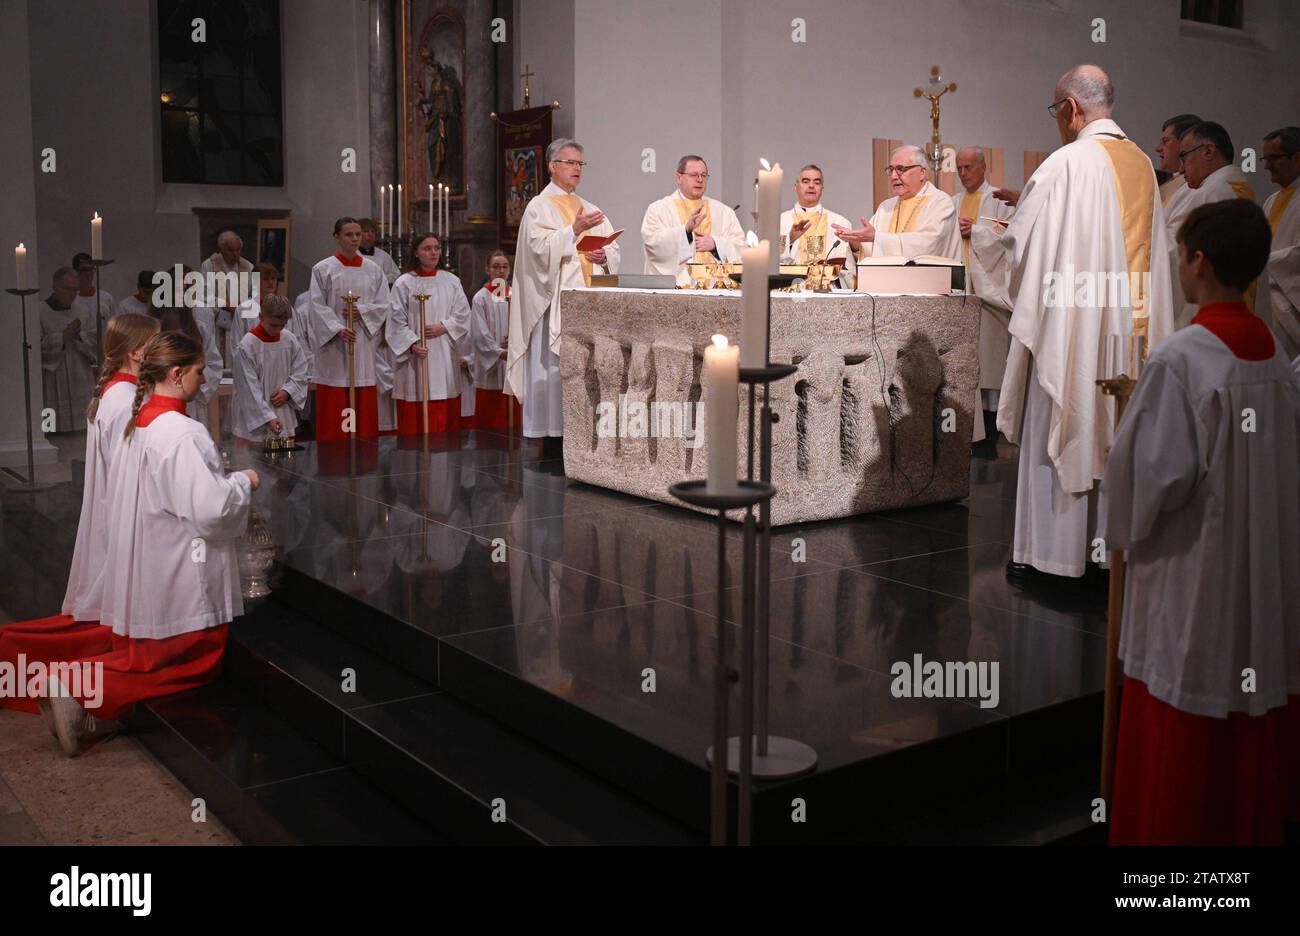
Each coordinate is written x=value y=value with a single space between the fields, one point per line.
x=492 y=410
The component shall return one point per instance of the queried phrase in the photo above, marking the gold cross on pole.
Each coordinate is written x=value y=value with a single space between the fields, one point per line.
x=526 y=75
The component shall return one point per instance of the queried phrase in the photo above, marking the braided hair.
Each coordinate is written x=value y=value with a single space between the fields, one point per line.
x=123 y=334
x=160 y=354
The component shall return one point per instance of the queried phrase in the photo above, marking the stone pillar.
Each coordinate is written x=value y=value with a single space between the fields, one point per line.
x=18 y=220
x=383 y=99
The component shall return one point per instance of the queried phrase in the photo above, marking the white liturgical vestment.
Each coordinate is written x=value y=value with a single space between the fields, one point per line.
x=1278 y=300
x=331 y=279
x=446 y=306
x=923 y=225
x=668 y=248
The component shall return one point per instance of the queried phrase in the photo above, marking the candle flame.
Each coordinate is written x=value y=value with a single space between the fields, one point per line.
x=719 y=341
x=21 y=247
x=96 y=217
x=765 y=164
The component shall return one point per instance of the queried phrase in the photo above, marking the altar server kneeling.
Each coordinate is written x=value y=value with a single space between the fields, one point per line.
x=171 y=579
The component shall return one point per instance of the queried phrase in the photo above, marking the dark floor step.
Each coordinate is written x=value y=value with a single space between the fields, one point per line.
x=463 y=772
x=268 y=783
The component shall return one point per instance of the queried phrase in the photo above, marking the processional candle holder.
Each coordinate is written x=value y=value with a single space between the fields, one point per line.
x=30 y=485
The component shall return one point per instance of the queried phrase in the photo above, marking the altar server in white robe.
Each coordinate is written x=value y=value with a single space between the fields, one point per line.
x=917 y=220
x=1279 y=297
x=249 y=311
x=125 y=336
x=332 y=278
x=1208 y=509
x=975 y=204
x=270 y=377
x=489 y=337
x=369 y=234
x=1091 y=209
x=1207 y=154
x=141 y=300
x=169 y=498
x=808 y=225
x=67 y=354
x=547 y=262
x=446 y=331
x=689 y=227
x=76 y=632
x=90 y=299
x=197 y=323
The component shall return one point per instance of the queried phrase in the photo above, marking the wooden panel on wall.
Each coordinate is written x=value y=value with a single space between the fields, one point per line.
x=995 y=159
x=1033 y=159
x=880 y=190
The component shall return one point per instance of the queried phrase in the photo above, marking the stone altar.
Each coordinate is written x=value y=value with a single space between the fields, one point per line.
x=878 y=416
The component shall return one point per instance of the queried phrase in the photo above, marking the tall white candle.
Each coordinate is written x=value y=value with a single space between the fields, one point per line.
x=770 y=181
x=721 y=376
x=381 y=210
x=390 y=210
x=1112 y=368
x=399 y=211
x=753 y=320
x=97 y=237
x=20 y=260
x=430 y=227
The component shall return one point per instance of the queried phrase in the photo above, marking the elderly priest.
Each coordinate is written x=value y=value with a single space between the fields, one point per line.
x=686 y=227
x=917 y=220
x=1092 y=210
x=548 y=261
x=1281 y=301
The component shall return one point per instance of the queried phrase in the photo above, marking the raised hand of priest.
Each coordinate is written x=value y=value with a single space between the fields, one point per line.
x=253 y=480
x=585 y=221
x=596 y=256
x=694 y=220
x=705 y=242
x=1010 y=196
x=797 y=230
x=348 y=335
x=856 y=237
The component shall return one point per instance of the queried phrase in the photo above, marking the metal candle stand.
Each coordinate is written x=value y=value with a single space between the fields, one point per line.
x=767 y=756
x=99 y=317
x=29 y=485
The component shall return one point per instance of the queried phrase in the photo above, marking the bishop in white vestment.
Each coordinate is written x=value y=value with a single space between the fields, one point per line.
x=687 y=226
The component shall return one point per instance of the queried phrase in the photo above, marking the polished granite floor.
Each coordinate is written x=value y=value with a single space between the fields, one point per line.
x=483 y=545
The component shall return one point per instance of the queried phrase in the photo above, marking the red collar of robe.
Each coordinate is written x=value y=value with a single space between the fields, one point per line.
x=119 y=377
x=354 y=262
x=419 y=272
x=87 y=292
x=489 y=288
x=156 y=406
x=260 y=332
x=1236 y=326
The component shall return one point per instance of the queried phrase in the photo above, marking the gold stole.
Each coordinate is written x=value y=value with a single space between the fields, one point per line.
x=816 y=229
x=915 y=203
x=1169 y=187
x=568 y=206
x=1135 y=184
x=687 y=208
x=1279 y=208
x=970 y=210
x=1242 y=190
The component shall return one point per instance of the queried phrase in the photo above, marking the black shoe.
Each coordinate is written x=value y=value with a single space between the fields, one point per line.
x=1022 y=571
x=553 y=447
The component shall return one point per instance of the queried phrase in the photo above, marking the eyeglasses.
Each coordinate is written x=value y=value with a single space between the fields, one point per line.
x=569 y=162
x=1182 y=155
x=697 y=176
x=1051 y=109
x=891 y=170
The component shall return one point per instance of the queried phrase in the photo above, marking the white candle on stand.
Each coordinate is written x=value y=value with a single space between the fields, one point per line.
x=97 y=237
x=381 y=210
x=20 y=260
x=399 y=211
x=754 y=302
x=720 y=377
x=430 y=227
x=390 y=210
x=1111 y=367
x=770 y=180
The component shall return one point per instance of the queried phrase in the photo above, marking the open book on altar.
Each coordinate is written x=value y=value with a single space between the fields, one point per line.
x=590 y=242
x=923 y=260
x=923 y=275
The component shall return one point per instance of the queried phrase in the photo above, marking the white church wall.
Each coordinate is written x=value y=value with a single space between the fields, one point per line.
x=94 y=99
x=724 y=78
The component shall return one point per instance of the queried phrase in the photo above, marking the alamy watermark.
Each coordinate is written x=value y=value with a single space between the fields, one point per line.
x=1090 y=289
x=635 y=419
x=930 y=679
x=36 y=679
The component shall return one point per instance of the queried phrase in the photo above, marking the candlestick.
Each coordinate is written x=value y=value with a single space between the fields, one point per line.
x=754 y=304
x=721 y=376
x=430 y=206
x=97 y=237
x=770 y=180
x=391 y=213
x=399 y=211
x=20 y=260
x=382 y=230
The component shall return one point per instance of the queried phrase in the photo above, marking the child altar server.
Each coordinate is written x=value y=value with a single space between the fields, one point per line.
x=490 y=327
x=270 y=376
